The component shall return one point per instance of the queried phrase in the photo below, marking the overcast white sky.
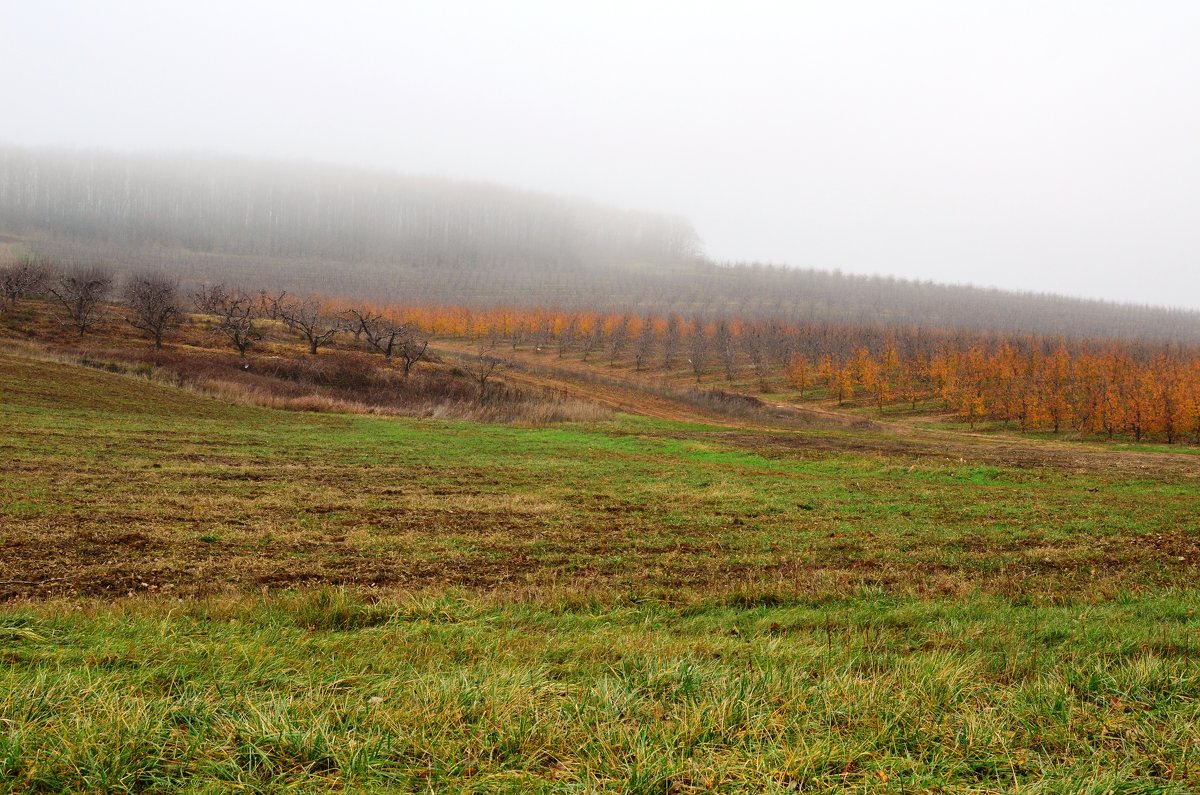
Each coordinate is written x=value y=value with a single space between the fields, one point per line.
x=1052 y=146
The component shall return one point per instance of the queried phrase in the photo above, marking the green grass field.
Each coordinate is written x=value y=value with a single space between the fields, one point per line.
x=209 y=597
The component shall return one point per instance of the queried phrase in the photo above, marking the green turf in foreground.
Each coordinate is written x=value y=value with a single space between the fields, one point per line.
x=445 y=693
x=654 y=608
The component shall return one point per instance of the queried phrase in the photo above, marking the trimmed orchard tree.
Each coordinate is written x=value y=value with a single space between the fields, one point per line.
x=23 y=278
x=207 y=299
x=310 y=320
x=153 y=301
x=82 y=292
x=482 y=366
x=238 y=321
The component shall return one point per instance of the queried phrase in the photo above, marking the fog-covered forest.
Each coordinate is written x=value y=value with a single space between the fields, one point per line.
x=361 y=233
x=230 y=206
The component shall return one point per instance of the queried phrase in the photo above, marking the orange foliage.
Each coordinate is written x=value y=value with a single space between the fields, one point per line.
x=1091 y=387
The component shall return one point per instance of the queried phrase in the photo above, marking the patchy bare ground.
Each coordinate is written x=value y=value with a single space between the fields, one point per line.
x=953 y=447
x=114 y=485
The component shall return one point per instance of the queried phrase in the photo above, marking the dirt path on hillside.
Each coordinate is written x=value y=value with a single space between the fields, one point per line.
x=619 y=392
x=576 y=380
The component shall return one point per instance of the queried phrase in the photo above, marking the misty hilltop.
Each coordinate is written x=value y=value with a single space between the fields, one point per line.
x=365 y=233
x=263 y=208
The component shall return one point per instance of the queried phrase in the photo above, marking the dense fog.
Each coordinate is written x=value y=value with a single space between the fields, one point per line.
x=273 y=209
x=378 y=235
x=1032 y=146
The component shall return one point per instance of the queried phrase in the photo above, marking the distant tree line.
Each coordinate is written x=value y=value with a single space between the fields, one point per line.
x=357 y=233
x=748 y=291
x=1097 y=386
x=229 y=206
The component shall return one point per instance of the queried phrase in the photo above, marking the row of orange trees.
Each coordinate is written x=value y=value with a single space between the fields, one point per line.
x=1108 y=391
x=1139 y=389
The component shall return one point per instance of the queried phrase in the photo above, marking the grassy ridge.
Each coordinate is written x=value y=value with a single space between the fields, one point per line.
x=635 y=606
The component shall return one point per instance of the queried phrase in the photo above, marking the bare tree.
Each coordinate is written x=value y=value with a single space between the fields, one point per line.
x=618 y=340
x=271 y=304
x=520 y=332
x=23 y=278
x=379 y=332
x=593 y=339
x=644 y=344
x=699 y=347
x=309 y=319
x=355 y=321
x=154 y=301
x=412 y=348
x=82 y=292
x=403 y=340
x=238 y=315
x=567 y=336
x=482 y=366
x=208 y=299
x=726 y=349
x=670 y=341
x=542 y=334
x=756 y=345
